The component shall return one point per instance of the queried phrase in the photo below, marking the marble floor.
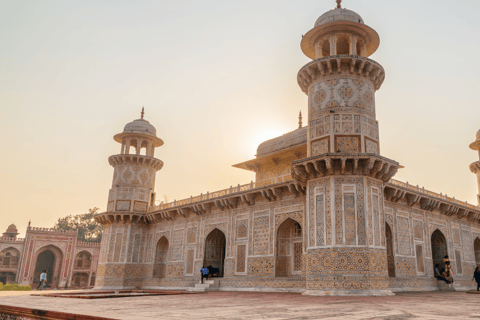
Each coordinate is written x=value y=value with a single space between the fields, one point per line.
x=253 y=305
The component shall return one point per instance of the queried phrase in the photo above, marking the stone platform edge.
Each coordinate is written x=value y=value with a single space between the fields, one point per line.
x=37 y=314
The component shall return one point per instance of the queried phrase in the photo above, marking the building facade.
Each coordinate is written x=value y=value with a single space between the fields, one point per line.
x=324 y=215
x=68 y=261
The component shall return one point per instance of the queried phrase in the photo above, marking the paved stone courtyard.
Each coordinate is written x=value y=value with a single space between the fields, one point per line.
x=252 y=305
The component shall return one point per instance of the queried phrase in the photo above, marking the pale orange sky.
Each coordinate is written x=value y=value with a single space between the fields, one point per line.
x=216 y=79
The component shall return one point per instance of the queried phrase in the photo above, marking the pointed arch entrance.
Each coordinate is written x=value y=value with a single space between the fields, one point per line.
x=390 y=254
x=439 y=247
x=161 y=258
x=48 y=258
x=476 y=249
x=289 y=249
x=215 y=251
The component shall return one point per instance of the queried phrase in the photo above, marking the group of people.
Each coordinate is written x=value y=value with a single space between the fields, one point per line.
x=444 y=272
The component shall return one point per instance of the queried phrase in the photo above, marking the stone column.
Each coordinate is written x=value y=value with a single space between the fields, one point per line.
x=139 y=146
x=333 y=44
x=319 y=50
x=127 y=146
x=352 y=41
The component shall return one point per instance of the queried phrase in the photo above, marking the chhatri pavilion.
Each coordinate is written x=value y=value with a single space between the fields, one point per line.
x=324 y=215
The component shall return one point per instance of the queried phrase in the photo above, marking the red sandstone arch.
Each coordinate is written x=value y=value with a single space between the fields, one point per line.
x=83 y=260
x=9 y=258
x=50 y=258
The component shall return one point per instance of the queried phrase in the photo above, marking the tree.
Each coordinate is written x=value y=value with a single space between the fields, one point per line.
x=88 y=229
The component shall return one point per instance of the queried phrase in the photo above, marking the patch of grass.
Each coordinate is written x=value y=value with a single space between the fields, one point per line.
x=14 y=287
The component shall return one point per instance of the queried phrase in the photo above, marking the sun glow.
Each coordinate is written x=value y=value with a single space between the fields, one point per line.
x=262 y=134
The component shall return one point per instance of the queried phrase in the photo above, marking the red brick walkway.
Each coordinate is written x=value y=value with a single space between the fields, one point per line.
x=246 y=305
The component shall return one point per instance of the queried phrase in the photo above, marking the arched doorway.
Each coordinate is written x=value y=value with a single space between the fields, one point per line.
x=289 y=249
x=48 y=258
x=439 y=247
x=215 y=251
x=83 y=260
x=80 y=280
x=390 y=254
x=476 y=249
x=161 y=258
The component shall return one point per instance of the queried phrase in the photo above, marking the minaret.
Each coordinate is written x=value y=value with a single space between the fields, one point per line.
x=475 y=167
x=131 y=197
x=343 y=173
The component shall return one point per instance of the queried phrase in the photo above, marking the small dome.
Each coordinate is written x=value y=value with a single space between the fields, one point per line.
x=478 y=135
x=291 y=139
x=140 y=126
x=339 y=14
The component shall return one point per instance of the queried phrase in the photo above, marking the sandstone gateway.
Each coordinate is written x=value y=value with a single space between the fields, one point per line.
x=323 y=217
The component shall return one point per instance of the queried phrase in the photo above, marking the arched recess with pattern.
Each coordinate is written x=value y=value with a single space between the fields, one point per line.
x=161 y=258
x=476 y=249
x=83 y=260
x=48 y=258
x=9 y=258
x=289 y=249
x=439 y=247
x=390 y=252
x=242 y=231
x=192 y=237
x=215 y=251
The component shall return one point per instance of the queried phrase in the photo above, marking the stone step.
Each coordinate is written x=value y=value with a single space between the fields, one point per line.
x=442 y=286
x=208 y=285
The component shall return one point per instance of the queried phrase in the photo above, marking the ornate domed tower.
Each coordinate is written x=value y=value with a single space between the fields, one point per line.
x=344 y=173
x=11 y=232
x=475 y=167
x=130 y=199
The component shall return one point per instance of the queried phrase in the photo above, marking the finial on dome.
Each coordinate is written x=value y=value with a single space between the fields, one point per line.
x=339 y=4
x=143 y=112
x=300 y=120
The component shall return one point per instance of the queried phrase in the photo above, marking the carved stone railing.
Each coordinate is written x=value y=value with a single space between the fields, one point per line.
x=223 y=199
x=432 y=193
x=206 y=196
x=8 y=239
x=428 y=200
x=88 y=244
x=51 y=230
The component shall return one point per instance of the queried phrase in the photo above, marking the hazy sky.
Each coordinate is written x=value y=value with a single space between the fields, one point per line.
x=216 y=79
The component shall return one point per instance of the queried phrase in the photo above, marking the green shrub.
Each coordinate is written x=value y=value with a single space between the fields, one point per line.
x=14 y=287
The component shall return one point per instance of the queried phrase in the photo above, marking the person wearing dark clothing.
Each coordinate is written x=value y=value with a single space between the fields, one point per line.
x=438 y=272
x=476 y=276
x=448 y=274
x=204 y=272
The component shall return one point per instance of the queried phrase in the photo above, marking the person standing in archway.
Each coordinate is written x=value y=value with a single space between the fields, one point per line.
x=476 y=276
x=448 y=274
x=204 y=272
x=43 y=280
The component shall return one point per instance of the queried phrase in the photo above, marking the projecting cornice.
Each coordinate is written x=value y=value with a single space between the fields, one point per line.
x=430 y=201
x=475 y=167
x=154 y=163
x=341 y=64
